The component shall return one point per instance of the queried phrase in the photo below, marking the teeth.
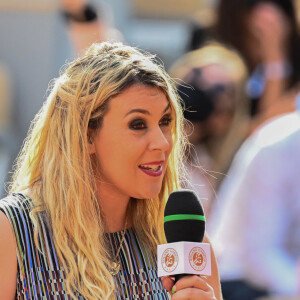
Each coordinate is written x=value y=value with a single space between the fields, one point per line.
x=154 y=168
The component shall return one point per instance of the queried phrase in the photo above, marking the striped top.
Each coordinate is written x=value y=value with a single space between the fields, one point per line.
x=40 y=275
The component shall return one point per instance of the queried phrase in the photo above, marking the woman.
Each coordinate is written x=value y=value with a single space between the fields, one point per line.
x=266 y=34
x=90 y=185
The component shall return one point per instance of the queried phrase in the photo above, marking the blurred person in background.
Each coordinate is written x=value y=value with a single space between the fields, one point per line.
x=259 y=254
x=210 y=82
x=257 y=233
x=266 y=34
x=88 y=23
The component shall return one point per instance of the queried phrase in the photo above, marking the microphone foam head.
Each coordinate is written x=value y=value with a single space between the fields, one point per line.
x=184 y=218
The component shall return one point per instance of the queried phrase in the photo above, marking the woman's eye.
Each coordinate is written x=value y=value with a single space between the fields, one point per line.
x=137 y=125
x=166 y=121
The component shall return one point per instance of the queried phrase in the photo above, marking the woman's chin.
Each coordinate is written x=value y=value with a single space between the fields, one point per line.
x=148 y=194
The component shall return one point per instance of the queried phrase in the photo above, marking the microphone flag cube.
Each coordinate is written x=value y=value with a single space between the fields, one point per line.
x=184 y=258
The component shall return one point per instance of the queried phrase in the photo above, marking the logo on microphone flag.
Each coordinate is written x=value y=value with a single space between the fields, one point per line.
x=183 y=258
x=197 y=259
x=169 y=260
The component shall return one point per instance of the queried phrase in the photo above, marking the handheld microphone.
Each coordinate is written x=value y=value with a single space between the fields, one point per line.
x=184 y=225
x=184 y=218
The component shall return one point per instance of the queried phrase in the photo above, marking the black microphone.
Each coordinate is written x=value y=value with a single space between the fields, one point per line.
x=184 y=219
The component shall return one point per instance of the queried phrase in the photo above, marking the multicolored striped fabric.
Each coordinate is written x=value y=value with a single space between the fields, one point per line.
x=41 y=277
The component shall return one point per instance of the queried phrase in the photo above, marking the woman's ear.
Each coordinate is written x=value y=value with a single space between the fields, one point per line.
x=91 y=137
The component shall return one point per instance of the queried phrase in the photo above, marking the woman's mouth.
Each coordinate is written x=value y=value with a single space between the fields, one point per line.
x=152 y=169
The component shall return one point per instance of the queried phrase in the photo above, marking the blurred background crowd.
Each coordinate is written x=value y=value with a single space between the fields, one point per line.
x=236 y=64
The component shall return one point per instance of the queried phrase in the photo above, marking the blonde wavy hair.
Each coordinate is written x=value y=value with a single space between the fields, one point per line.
x=56 y=166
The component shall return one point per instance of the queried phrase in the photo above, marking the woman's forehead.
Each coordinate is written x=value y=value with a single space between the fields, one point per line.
x=138 y=95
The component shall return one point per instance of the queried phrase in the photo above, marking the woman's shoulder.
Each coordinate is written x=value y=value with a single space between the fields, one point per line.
x=15 y=202
x=17 y=207
x=16 y=234
x=8 y=259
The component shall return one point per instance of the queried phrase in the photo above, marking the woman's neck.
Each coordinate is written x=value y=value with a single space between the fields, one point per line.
x=114 y=209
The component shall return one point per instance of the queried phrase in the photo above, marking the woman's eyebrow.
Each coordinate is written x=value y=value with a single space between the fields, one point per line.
x=167 y=107
x=144 y=111
x=137 y=110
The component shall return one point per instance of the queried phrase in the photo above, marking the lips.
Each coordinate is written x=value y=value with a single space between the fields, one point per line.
x=152 y=168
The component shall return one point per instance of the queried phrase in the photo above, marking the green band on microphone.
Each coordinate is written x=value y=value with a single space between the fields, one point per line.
x=183 y=217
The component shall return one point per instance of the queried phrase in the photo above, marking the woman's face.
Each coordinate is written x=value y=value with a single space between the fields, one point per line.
x=269 y=30
x=133 y=145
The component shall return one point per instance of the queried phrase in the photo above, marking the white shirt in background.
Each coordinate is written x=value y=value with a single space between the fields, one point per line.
x=256 y=221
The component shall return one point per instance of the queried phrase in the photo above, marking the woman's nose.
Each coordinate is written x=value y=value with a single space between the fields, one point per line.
x=159 y=140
